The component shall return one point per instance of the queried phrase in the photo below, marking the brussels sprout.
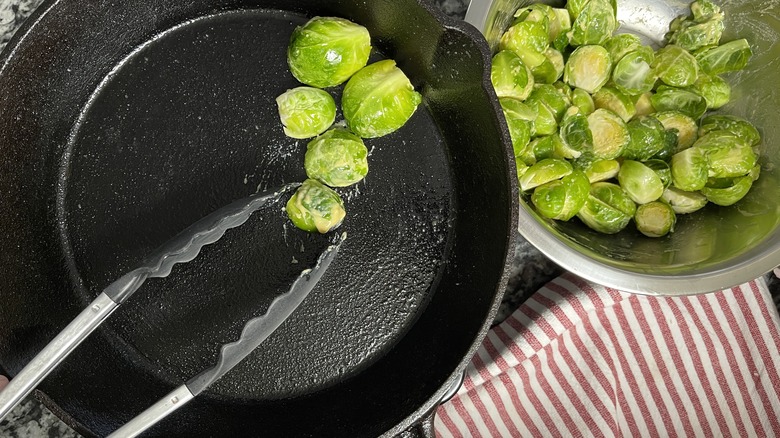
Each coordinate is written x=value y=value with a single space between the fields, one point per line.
x=715 y=91
x=677 y=99
x=575 y=135
x=602 y=170
x=683 y=202
x=615 y=101
x=610 y=134
x=551 y=69
x=563 y=198
x=755 y=172
x=675 y=66
x=326 y=51
x=546 y=147
x=536 y=12
x=662 y=169
x=305 y=111
x=670 y=146
x=608 y=208
x=559 y=29
x=684 y=126
x=647 y=138
x=519 y=118
x=552 y=98
x=528 y=39
x=378 y=100
x=733 y=124
x=641 y=183
x=704 y=10
x=633 y=74
x=582 y=100
x=594 y=24
x=545 y=122
x=655 y=219
x=588 y=68
x=728 y=155
x=692 y=35
x=521 y=168
x=621 y=44
x=543 y=172
x=725 y=196
x=337 y=158
x=689 y=169
x=575 y=7
x=644 y=105
x=731 y=56
x=510 y=76
x=315 y=207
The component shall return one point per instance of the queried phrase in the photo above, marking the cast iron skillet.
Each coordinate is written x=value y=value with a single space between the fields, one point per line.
x=122 y=122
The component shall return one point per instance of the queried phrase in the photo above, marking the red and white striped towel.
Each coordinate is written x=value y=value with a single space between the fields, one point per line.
x=577 y=359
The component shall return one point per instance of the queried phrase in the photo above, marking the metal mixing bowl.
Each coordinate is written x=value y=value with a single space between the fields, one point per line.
x=717 y=247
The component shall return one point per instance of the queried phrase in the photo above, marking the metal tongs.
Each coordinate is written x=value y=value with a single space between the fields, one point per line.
x=181 y=249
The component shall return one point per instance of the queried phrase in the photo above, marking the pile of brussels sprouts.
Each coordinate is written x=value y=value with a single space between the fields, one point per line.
x=377 y=99
x=609 y=130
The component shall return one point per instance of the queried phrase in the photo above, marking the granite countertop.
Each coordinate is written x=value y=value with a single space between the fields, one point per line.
x=530 y=269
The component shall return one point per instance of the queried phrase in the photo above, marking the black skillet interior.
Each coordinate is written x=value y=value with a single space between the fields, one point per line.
x=124 y=122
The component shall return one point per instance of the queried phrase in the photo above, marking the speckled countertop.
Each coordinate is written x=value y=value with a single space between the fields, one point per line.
x=530 y=269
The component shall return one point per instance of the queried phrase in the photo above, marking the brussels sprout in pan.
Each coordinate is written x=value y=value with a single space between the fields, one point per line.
x=378 y=100
x=675 y=66
x=690 y=169
x=728 y=192
x=562 y=199
x=326 y=51
x=615 y=101
x=305 y=111
x=588 y=67
x=733 y=124
x=337 y=158
x=510 y=76
x=315 y=207
x=544 y=171
x=641 y=183
x=683 y=202
x=610 y=134
x=655 y=219
x=647 y=138
x=731 y=56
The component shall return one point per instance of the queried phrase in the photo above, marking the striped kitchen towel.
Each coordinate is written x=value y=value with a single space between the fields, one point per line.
x=578 y=359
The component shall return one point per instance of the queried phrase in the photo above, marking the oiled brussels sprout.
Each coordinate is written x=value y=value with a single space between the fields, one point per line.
x=662 y=169
x=315 y=207
x=731 y=56
x=647 y=138
x=704 y=10
x=685 y=127
x=588 y=67
x=551 y=97
x=595 y=23
x=733 y=124
x=602 y=170
x=689 y=169
x=551 y=69
x=582 y=100
x=714 y=89
x=546 y=147
x=641 y=183
x=670 y=146
x=675 y=66
x=683 y=202
x=615 y=101
x=575 y=135
x=559 y=29
x=610 y=134
x=543 y=172
x=728 y=155
x=510 y=76
x=644 y=105
x=703 y=28
x=378 y=100
x=305 y=111
x=519 y=119
x=562 y=199
x=621 y=44
x=632 y=74
x=678 y=99
x=608 y=208
x=337 y=158
x=655 y=219
x=326 y=51
x=729 y=191
x=527 y=39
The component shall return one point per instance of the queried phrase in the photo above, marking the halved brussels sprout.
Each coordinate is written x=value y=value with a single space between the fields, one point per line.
x=714 y=89
x=595 y=23
x=692 y=35
x=551 y=69
x=704 y=10
x=510 y=76
x=551 y=97
x=560 y=28
x=378 y=100
x=545 y=122
x=528 y=39
x=327 y=51
x=575 y=7
x=670 y=146
x=689 y=169
x=543 y=172
x=677 y=99
x=641 y=183
x=519 y=119
x=588 y=68
x=576 y=135
x=602 y=170
x=655 y=219
x=582 y=100
x=733 y=124
x=563 y=198
x=608 y=208
x=728 y=155
x=684 y=125
x=662 y=169
x=683 y=202
x=647 y=138
x=337 y=158
x=644 y=105
x=305 y=111
x=610 y=134
x=725 y=195
x=615 y=101
x=675 y=66
x=621 y=44
x=315 y=207
x=632 y=74
x=731 y=56
x=546 y=147
x=536 y=12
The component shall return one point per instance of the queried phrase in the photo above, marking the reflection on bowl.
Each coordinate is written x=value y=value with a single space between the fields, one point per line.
x=717 y=247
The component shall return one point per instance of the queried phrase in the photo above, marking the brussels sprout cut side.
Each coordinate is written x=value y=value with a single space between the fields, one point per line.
x=629 y=121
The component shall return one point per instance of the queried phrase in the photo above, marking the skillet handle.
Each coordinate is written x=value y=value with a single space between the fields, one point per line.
x=55 y=352
x=423 y=429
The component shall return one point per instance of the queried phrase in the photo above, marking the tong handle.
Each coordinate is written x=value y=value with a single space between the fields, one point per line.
x=55 y=352
x=152 y=415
